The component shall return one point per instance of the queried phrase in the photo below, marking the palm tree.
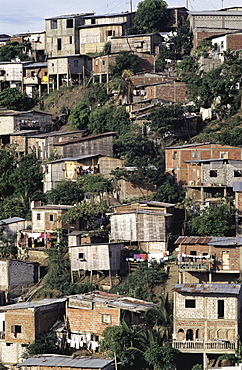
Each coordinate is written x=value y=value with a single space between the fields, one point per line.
x=160 y=317
x=123 y=86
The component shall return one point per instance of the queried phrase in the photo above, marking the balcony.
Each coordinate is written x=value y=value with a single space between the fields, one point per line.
x=194 y=266
x=215 y=346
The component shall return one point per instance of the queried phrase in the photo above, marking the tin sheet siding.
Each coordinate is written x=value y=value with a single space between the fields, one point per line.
x=138 y=227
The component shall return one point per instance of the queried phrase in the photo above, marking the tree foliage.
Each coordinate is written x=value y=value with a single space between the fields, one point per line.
x=45 y=343
x=95 y=184
x=12 y=50
x=12 y=99
x=87 y=213
x=162 y=119
x=162 y=358
x=217 y=87
x=8 y=247
x=125 y=60
x=66 y=192
x=106 y=119
x=216 y=220
x=149 y=15
x=141 y=283
x=79 y=116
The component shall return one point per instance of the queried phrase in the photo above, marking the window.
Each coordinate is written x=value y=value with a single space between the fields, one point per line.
x=81 y=256
x=58 y=44
x=190 y=303
x=174 y=155
x=93 y=21
x=224 y=155
x=9 y=344
x=75 y=62
x=70 y=39
x=16 y=329
x=213 y=173
x=103 y=62
x=69 y=23
x=237 y=173
x=110 y=254
x=195 y=154
x=193 y=253
x=220 y=309
x=106 y=319
x=111 y=33
x=53 y=24
x=51 y=217
x=38 y=217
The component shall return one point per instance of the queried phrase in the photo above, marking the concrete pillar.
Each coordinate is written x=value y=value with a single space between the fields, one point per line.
x=204 y=361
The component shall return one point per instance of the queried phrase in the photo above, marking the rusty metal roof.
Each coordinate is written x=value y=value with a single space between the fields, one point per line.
x=207 y=288
x=194 y=240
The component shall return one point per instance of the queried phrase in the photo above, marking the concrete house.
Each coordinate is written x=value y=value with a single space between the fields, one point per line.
x=203 y=259
x=205 y=168
x=21 y=323
x=220 y=174
x=214 y=22
x=55 y=362
x=45 y=219
x=67 y=70
x=35 y=78
x=11 y=74
x=13 y=224
x=207 y=320
x=62 y=36
x=89 y=314
x=16 y=277
x=37 y=42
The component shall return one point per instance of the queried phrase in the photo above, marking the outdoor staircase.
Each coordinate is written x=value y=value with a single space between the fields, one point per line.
x=172 y=269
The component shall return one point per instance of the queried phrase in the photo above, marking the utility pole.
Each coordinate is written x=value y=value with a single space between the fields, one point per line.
x=131 y=6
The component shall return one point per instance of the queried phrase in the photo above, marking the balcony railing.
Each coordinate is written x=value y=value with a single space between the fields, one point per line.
x=194 y=266
x=215 y=345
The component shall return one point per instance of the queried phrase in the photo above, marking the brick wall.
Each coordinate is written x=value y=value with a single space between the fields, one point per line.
x=172 y=91
x=90 y=321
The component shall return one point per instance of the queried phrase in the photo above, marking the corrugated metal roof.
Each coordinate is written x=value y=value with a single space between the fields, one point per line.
x=32 y=304
x=145 y=212
x=67 y=159
x=114 y=300
x=67 y=361
x=208 y=288
x=193 y=240
x=187 y=145
x=216 y=13
x=228 y=241
x=11 y=220
x=54 y=206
